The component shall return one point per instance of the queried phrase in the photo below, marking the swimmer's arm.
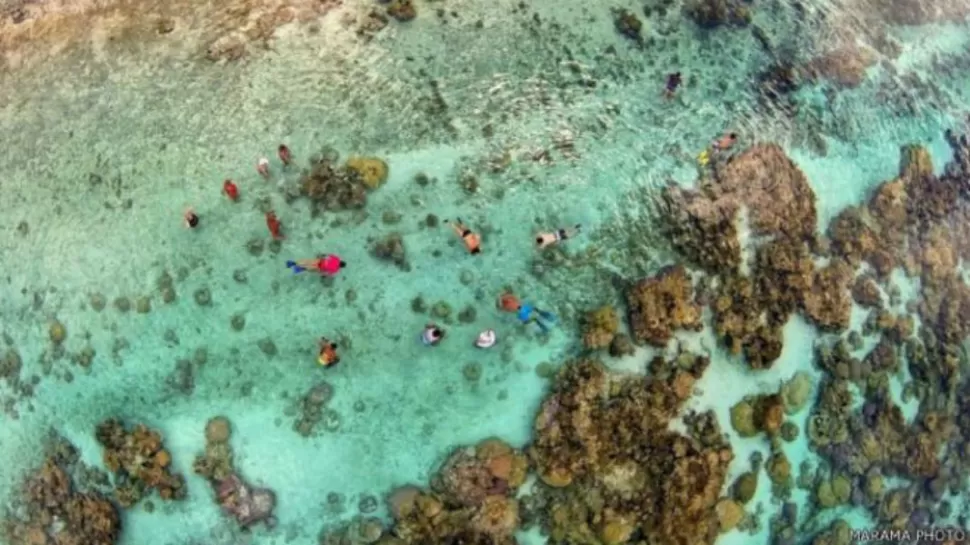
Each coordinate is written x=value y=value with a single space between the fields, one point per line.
x=457 y=226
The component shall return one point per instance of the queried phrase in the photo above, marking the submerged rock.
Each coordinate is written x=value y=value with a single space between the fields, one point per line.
x=333 y=187
x=391 y=248
x=599 y=327
x=659 y=305
x=371 y=171
x=140 y=457
x=81 y=517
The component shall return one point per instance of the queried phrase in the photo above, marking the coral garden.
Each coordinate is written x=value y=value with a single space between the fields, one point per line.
x=609 y=468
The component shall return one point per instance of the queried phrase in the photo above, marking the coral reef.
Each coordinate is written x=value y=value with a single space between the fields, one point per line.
x=844 y=66
x=139 y=462
x=471 y=498
x=599 y=327
x=402 y=10
x=612 y=467
x=659 y=305
x=371 y=171
x=628 y=24
x=391 y=248
x=333 y=187
x=247 y=504
x=312 y=410
x=54 y=512
x=759 y=414
x=470 y=475
x=715 y=13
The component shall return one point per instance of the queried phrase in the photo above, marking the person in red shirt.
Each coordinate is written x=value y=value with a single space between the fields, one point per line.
x=329 y=265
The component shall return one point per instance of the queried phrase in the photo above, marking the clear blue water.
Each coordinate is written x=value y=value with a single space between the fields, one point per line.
x=111 y=129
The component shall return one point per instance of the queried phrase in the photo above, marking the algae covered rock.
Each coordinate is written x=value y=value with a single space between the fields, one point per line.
x=139 y=455
x=333 y=187
x=659 y=305
x=779 y=468
x=628 y=25
x=743 y=419
x=796 y=392
x=402 y=10
x=599 y=327
x=729 y=514
x=371 y=171
x=49 y=495
x=714 y=13
x=57 y=332
x=746 y=486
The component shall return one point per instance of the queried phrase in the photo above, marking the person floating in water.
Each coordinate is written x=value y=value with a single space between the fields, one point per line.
x=262 y=167
x=544 y=240
x=525 y=312
x=486 y=339
x=472 y=241
x=191 y=219
x=673 y=83
x=275 y=225
x=327 y=356
x=231 y=190
x=432 y=335
x=329 y=265
x=285 y=155
x=724 y=143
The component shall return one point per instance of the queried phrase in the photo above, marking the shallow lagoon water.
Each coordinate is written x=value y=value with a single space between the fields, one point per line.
x=106 y=146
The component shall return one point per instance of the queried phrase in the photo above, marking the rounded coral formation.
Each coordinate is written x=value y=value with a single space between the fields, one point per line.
x=599 y=327
x=371 y=171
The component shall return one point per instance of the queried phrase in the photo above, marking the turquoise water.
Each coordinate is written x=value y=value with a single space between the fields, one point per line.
x=111 y=129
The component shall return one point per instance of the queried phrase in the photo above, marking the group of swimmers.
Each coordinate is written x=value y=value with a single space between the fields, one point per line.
x=332 y=264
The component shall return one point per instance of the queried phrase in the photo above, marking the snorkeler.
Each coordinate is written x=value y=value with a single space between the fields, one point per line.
x=191 y=219
x=472 y=241
x=673 y=82
x=486 y=339
x=329 y=265
x=544 y=240
x=432 y=335
x=725 y=142
x=327 y=356
x=262 y=167
x=285 y=155
x=525 y=312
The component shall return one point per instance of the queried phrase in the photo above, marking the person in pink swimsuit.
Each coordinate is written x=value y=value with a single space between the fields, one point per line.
x=329 y=265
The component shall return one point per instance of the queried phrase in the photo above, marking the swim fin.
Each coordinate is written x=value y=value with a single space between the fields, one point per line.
x=296 y=268
x=546 y=315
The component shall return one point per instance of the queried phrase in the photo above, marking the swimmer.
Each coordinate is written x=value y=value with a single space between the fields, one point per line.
x=673 y=82
x=230 y=190
x=525 y=312
x=327 y=356
x=329 y=265
x=725 y=142
x=275 y=225
x=472 y=241
x=262 y=167
x=486 y=339
x=191 y=219
x=544 y=240
x=285 y=155
x=432 y=335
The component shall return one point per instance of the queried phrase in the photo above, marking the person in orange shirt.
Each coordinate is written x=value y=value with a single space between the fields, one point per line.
x=472 y=241
x=327 y=356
